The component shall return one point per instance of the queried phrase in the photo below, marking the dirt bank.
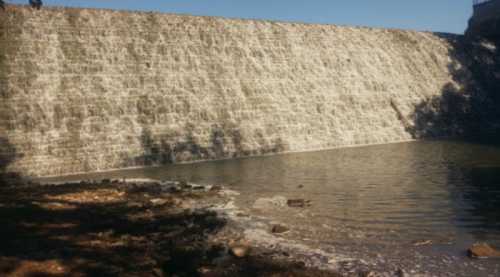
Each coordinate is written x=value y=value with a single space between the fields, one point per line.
x=128 y=228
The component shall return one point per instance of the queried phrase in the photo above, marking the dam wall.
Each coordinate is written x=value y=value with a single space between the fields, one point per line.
x=85 y=90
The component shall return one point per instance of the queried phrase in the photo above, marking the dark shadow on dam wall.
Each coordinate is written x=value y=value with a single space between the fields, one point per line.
x=469 y=107
x=225 y=142
x=8 y=155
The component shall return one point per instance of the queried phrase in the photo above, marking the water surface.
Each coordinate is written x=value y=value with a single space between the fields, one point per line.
x=375 y=202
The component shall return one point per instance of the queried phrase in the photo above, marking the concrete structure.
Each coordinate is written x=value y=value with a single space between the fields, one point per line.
x=86 y=90
x=486 y=19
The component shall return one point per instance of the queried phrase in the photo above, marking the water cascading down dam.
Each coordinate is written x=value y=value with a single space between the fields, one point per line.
x=86 y=90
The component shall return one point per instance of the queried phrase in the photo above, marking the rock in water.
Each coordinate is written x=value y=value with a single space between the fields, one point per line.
x=216 y=188
x=298 y=203
x=483 y=250
x=184 y=185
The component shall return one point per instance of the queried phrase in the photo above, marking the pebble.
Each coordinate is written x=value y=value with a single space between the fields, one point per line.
x=422 y=243
x=278 y=229
x=240 y=251
x=400 y=273
x=158 y=272
x=368 y=274
x=204 y=270
x=158 y=201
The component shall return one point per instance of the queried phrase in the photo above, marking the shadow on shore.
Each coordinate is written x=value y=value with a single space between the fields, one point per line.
x=113 y=228
x=90 y=230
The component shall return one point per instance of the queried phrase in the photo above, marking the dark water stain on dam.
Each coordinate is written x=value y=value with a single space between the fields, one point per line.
x=399 y=202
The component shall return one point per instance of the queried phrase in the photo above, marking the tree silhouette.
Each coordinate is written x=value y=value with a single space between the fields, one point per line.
x=37 y=4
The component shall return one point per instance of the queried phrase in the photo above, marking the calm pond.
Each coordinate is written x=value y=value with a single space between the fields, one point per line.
x=418 y=204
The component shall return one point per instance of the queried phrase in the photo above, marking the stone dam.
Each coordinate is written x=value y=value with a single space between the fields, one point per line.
x=87 y=90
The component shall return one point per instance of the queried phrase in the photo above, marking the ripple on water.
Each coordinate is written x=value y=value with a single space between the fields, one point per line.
x=445 y=192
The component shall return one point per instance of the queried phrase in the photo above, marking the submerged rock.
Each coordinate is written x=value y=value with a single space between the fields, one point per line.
x=483 y=250
x=270 y=203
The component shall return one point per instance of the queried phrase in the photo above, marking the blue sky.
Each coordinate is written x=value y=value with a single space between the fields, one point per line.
x=429 y=15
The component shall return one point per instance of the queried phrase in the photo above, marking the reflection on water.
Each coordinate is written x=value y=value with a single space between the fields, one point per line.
x=444 y=191
x=481 y=195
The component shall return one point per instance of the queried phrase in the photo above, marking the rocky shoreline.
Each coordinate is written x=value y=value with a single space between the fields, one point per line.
x=140 y=228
